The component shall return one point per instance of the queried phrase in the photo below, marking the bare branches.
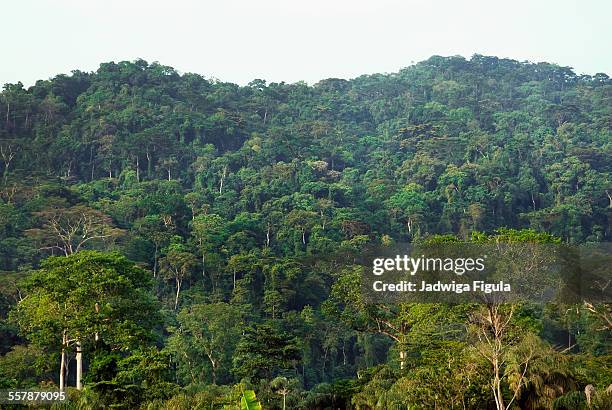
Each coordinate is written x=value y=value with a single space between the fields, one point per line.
x=525 y=365
x=7 y=153
x=603 y=313
x=491 y=326
x=70 y=229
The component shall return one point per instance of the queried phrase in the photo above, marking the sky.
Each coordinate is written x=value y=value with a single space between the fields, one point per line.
x=290 y=40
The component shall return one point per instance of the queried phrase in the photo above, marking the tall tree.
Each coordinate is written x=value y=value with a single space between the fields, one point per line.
x=86 y=297
x=70 y=229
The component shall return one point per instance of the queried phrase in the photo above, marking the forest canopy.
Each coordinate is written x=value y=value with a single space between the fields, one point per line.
x=170 y=240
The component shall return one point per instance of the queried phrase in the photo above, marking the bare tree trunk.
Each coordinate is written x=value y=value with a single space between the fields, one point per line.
x=497 y=393
x=178 y=291
x=79 y=364
x=213 y=366
x=62 y=381
x=148 y=164
x=7 y=157
x=402 y=355
x=222 y=179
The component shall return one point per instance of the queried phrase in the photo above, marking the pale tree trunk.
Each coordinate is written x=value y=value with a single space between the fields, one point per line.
x=148 y=164
x=7 y=157
x=497 y=393
x=178 y=291
x=79 y=365
x=222 y=179
x=494 y=325
x=62 y=381
x=402 y=356
x=213 y=364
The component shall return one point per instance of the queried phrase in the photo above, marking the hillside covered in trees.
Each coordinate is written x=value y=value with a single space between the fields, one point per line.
x=177 y=238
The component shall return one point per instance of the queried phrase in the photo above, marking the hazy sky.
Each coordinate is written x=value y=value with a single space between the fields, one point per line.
x=290 y=40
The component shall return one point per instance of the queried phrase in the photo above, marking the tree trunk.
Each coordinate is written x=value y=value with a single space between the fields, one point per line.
x=178 y=291
x=222 y=179
x=79 y=364
x=213 y=365
x=402 y=356
x=148 y=164
x=62 y=381
x=497 y=392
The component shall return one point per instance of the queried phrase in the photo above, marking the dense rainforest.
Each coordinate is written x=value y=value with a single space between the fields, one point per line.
x=170 y=241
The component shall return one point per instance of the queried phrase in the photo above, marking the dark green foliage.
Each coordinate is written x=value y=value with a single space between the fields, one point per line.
x=241 y=205
x=265 y=351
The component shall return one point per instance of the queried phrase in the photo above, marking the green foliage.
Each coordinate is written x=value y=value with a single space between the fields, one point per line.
x=249 y=401
x=85 y=294
x=141 y=376
x=204 y=341
x=263 y=351
x=243 y=208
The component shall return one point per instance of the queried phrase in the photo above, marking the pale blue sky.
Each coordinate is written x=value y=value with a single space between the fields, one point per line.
x=289 y=40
